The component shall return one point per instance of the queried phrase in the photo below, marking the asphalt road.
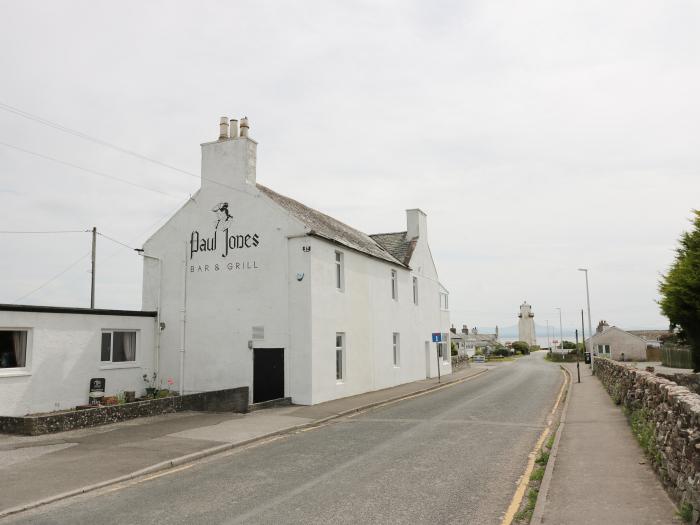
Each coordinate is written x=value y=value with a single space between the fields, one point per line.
x=451 y=456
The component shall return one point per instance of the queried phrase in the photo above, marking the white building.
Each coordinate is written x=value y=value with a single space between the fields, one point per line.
x=48 y=355
x=256 y=289
x=526 y=325
x=615 y=343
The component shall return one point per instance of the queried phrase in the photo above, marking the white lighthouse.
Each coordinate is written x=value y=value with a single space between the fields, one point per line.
x=526 y=324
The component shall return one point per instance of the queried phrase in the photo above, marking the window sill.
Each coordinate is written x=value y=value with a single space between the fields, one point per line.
x=117 y=366
x=339 y=382
x=22 y=372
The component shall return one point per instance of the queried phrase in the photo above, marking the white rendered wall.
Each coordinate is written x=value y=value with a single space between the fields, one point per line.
x=634 y=348
x=368 y=316
x=63 y=354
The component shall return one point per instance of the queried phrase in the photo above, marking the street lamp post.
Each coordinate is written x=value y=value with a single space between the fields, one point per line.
x=549 y=345
x=561 y=334
x=588 y=305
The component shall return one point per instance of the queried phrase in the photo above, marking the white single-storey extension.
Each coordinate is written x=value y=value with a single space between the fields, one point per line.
x=48 y=355
x=256 y=289
x=615 y=343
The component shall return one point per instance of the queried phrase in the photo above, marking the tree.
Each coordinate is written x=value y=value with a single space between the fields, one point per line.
x=521 y=346
x=568 y=345
x=680 y=290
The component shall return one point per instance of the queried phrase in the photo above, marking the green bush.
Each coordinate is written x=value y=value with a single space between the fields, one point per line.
x=502 y=351
x=521 y=346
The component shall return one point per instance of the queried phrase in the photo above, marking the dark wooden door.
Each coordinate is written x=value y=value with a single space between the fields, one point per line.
x=268 y=374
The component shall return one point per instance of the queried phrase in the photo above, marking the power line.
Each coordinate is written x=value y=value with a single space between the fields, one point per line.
x=52 y=278
x=85 y=136
x=45 y=232
x=88 y=170
x=114 y=240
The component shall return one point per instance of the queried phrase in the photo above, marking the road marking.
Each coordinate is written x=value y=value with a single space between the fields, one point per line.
x=525 y=479
x=148 y=478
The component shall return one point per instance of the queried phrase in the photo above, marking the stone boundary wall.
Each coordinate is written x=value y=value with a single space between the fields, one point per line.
x=229 y=400
x=674 y=412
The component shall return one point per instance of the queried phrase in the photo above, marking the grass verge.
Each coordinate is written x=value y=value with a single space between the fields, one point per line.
x=528 y=505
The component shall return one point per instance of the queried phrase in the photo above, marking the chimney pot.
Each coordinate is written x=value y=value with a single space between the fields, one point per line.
x=223 y=128
x=245 y=126
x=234 y=128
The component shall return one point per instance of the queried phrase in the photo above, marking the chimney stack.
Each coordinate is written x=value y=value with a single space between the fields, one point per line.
x=229 y=161
x=223 y=128
x=245 y=126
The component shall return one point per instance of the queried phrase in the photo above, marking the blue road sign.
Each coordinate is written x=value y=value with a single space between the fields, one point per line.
x=437 y=337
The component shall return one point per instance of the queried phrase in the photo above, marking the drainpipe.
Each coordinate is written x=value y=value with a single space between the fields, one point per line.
x=183 y=320
x=156 y=357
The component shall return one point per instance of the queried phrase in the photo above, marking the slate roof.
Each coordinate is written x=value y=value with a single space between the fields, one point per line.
x=397 y=244
x=326 y=227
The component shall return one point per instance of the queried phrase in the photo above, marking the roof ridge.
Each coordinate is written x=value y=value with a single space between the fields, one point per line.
x=327 y=227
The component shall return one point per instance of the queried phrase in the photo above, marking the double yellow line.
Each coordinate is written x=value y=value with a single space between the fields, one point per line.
x=522 y=486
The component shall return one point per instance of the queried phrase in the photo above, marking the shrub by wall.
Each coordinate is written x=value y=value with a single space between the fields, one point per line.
x=665 y=418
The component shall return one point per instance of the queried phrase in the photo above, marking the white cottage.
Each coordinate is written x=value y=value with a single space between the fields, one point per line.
x=49 y=355
x=254 y=288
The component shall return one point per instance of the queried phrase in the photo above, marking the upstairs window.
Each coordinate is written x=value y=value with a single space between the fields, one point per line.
x=339 y=271
x=13 y=349
x=118 y=346
x=415 y=290
x=394 y=285
x=444 y=301
x=397 y=348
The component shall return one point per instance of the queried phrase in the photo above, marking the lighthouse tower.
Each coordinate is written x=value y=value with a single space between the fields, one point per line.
x=526 y=324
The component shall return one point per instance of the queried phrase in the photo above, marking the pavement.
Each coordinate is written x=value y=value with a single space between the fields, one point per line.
x=38 y=468
x=454 y=455
x=597 y=472
x=660 y=368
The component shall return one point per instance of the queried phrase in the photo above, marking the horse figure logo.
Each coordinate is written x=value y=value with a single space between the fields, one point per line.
x=222 y=214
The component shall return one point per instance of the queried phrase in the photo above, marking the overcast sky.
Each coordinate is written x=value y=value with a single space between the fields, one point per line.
x=538 y=137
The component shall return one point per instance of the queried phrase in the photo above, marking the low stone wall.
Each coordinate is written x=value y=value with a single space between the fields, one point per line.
x=229 y=400
x=672 y=415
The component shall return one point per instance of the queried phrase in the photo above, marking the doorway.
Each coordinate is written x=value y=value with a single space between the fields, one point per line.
x=268 y=374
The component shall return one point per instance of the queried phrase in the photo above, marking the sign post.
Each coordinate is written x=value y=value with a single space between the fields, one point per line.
x=437 y=338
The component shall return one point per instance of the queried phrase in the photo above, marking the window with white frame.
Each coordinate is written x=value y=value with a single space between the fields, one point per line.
x=339 y=356
x=397 y=348
x=415 y=290
x=443 y=351
x=394 y=285
x=339 y=271
x=603 y=349
x=118 y=346
x=444 y=301
x=13 y=349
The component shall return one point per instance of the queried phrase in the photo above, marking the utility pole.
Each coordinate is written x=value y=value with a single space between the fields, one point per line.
x=94 y=251
x=561 y=335
x=578 y=369
x=588 y=305
x=583 y=336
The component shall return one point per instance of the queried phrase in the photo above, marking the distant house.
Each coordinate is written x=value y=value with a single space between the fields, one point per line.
x=467 y=342
x=615 y=343
x=652 y=337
